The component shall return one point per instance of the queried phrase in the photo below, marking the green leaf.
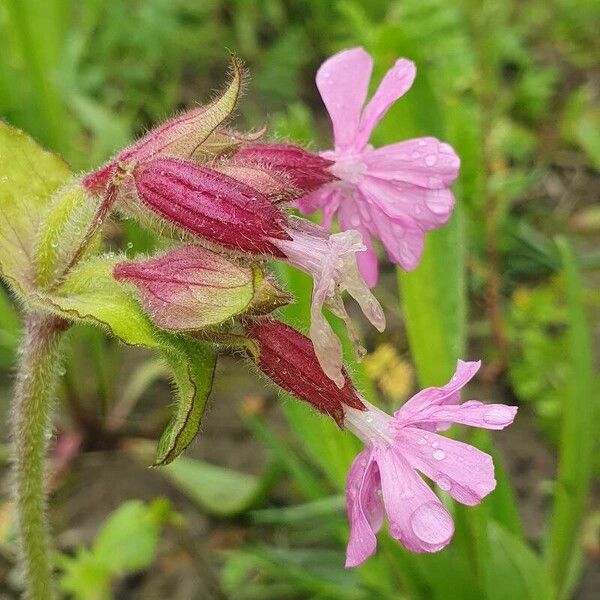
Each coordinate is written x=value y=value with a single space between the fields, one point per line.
x=126 y=543
x=90 y=293
x=218 y=491
x=433 y=301
x=578 y=431
x=193 y=364
x=128 y=539
x=514 y=570
x=29 y=176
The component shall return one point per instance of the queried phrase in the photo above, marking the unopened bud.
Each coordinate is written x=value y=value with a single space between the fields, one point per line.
x=211 y=205
x=288 y=358
x=191 y=288
x=305 y=170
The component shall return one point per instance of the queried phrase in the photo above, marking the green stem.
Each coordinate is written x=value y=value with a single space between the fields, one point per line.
x=31 y=428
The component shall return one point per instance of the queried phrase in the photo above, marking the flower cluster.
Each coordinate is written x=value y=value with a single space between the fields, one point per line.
x=223 y=199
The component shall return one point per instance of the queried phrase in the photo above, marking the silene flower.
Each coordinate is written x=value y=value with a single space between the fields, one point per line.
x=240 y=216
x=396 y=193
x=385 y=477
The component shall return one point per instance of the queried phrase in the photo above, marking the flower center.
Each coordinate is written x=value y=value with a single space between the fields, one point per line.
x=348 y=167
x=371 y=426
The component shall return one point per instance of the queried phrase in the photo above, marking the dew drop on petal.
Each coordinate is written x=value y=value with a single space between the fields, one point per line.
x=430 y=160
x=421 y=441
x=422 y=143
x=436 y=202
x=431 y=523
x=445 y=148
x=439 y=455
x=435 y=444
x=497 y=415
x=444 y=483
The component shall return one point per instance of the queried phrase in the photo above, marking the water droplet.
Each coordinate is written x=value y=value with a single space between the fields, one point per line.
x=369 y=418
x=439 y=455
x=435 y=444
x=421 y=441
x=415 y=155
x=430 y=160
x=422 y=143
x=431 y=523
x=497 y=415
x=130 y=245
x=54 y=244
x=444 y=483
x=437 y=202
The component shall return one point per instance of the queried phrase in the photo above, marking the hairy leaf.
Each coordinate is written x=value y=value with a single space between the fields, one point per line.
x=91 y=294
x=193 y=364
x=29 y=176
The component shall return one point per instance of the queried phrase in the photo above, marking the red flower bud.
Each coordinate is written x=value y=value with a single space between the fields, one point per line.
x=288 y=358
x=211 y=205
x=307 y=171
x=191 y=288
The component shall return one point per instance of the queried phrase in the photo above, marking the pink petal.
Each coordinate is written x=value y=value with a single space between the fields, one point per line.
x=343 y=82
x=473 y=413
x=365 y=509
x=327 y=345
x=368 y=264
x=395 y=83
x=312 y=202
x=417 y=517
x=401 y=237
x=426 y=208
x=425 y=162
x=436 y=396
x=461 y=470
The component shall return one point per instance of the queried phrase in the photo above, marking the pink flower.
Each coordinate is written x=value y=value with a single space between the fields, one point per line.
x=395 y=193
x=230 y=213
x=331 y=262
x=384 y=478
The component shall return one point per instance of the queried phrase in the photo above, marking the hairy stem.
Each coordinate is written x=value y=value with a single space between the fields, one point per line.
x=31 y=426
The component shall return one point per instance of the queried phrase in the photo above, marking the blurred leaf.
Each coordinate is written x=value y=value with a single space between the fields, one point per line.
x=514 y=570
x=577 y=438
x=29 y=175
x=126 y=543
x=581 y=123
x=218 y=491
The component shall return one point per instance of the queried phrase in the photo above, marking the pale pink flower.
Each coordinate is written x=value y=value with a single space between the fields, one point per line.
x=330 y=259
x=384 y=476
x=396 y=193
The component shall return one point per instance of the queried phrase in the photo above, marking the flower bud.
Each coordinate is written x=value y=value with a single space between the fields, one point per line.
x=191 y=288
x=182 y=136
x=288 y=358
x=307 y=171
x=211 y=205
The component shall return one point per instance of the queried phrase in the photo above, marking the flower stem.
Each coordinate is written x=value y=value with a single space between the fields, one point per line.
x=31 y=426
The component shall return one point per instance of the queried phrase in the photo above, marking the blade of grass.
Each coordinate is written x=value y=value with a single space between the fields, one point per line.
x=580 y=409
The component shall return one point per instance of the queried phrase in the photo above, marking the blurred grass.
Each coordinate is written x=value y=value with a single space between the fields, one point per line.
x=511 y=86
